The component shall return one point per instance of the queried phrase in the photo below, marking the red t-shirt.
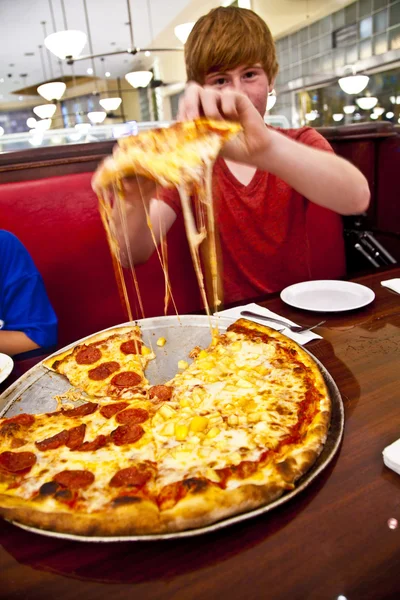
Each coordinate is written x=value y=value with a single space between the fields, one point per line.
x=270 y=235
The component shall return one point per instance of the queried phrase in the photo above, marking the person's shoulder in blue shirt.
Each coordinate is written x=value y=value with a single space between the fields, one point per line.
x=27 y=319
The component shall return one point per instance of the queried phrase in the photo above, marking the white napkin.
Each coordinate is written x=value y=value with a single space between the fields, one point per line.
x=392 y=284
x=391 y=456
x=299 y=338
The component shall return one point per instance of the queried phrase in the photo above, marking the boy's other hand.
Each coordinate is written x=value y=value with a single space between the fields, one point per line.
x=138 y=188
x=230 y=105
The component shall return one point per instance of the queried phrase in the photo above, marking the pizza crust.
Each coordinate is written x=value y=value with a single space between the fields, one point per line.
x=96 y=337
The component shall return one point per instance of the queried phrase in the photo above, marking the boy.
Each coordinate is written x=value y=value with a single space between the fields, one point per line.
x=27 y=320
x=271 y=188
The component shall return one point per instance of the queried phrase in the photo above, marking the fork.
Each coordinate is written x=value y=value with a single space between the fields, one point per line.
x=294 y=328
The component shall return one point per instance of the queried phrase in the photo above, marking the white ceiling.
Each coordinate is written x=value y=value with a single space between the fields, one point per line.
x=21 y=32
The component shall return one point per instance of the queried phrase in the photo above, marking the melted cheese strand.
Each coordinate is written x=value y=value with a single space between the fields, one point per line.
x=119 y=196
x=163 y=264
x=216 y=283
x=194 y=238
x=105 y=214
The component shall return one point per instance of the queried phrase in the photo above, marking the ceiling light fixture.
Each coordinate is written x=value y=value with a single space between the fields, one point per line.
x=338 y=117
x=83 y=127
x=66 y=44
x=378 y=110
x=97 y=116
x=52 y=91
x=374 y=116
x=367 y=102
x=110 y=104
x=353 y=84
x=45 y=111
x=139 y=78
x=349 y=109
x=89 y=71
x=182 y=31
x=271 y=101
x=389 y=115
x=311 y=116
x=43 y=124
x=31 y=123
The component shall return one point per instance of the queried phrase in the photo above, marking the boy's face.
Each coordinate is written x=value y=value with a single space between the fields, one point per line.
x=251 y=81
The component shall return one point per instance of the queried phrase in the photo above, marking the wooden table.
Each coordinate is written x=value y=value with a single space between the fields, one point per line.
x=332 y=540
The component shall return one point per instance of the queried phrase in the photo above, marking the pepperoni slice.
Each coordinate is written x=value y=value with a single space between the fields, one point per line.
x=171 y=494
x=23 y=419
x=53 y=442
x=17 y=461
x=103 y=371
x=76 y=435
x=126 y=379
x=131 y=347
x=88 y=355
x=74 y=480
x=161 y=392
x=127 y=434
x=132 y=416
x=99 y=442
x=130 y=476
x=109 y=410
x=80 y=411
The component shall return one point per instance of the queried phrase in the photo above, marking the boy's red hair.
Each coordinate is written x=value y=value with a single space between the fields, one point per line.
x=226 y=38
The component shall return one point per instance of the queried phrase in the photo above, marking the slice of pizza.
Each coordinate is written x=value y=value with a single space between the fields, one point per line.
x=171 y=156
x=111 y=363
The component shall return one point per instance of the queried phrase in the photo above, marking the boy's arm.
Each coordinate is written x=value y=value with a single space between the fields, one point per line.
x=15 y=342
x=320 y=176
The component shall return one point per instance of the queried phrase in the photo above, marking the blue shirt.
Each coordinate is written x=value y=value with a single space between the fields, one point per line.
x=24 y=305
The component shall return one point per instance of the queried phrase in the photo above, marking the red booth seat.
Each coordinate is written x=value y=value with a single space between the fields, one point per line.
x=58 y=221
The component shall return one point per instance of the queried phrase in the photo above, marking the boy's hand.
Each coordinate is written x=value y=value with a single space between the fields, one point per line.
x=138 y=188
x=230 y=105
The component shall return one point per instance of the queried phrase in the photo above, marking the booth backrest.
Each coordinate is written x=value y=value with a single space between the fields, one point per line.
x=58 y=221
x=47 y=201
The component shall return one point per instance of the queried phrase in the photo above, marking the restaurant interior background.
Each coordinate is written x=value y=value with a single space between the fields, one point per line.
x=318 y=43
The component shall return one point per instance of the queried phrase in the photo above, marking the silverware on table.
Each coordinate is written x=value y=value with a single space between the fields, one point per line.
x=294 y=328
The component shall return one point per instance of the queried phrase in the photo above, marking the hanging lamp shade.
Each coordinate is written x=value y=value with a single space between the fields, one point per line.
x=367 y=102
x=45 y=111
x=69 y=42
x=182 y=31
x=349 y=109
x=97 y=116
x=110 y=104
x=52 y=91
x=31 y=122
x=271 y=101
x=139 y=78
x=353 y=84
x=43 y=125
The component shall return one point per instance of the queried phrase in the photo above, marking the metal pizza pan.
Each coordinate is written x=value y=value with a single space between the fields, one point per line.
x=34 y=393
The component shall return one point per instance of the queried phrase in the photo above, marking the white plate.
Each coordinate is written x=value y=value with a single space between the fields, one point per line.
x=327 y=295
x=6 y=366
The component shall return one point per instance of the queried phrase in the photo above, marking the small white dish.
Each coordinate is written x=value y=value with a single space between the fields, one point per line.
x=6 y=366
x=327 y=295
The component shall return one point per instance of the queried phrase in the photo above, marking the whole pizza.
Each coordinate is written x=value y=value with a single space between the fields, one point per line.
x=232 y=431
